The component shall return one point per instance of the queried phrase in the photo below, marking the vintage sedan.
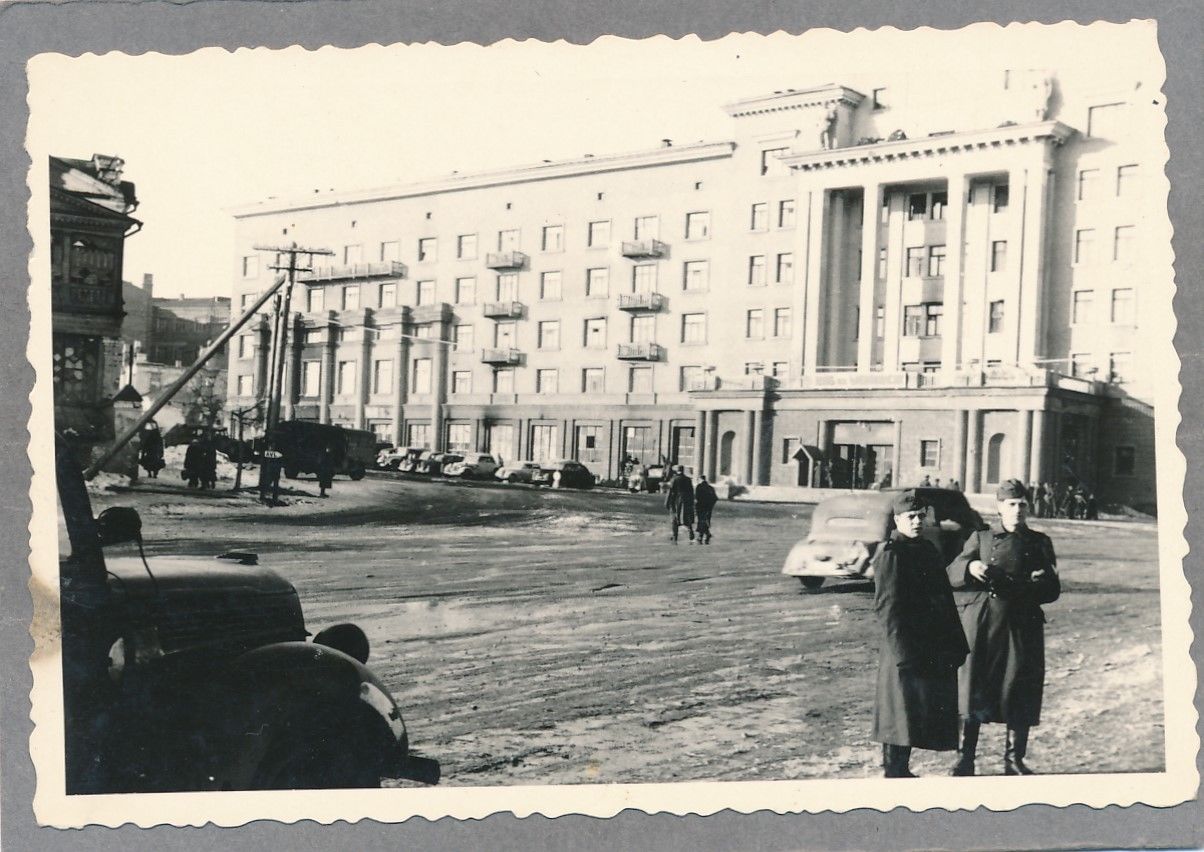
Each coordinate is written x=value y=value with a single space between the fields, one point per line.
x=564 y=473
x=518 y=471
x=472 y=466
x=433 y=464
x=848 y=529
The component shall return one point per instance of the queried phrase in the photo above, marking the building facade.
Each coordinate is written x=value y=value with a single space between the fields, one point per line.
x=851 y=291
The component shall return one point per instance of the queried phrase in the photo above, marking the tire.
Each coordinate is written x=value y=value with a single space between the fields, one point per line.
x=357 y=474
x=512 y=478
x=811 y=583
x=348 y=753
x=395 y=464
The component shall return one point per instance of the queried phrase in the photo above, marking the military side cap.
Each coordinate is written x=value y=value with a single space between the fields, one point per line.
x=1013 y=489
x=908 y=501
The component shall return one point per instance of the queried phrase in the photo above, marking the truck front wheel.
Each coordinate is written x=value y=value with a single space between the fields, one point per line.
x=357 y=474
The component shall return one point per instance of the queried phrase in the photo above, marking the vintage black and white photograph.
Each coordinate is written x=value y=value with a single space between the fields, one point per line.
x=678 y=425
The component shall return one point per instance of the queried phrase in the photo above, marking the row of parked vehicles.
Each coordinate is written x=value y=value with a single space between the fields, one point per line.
x=566 y=473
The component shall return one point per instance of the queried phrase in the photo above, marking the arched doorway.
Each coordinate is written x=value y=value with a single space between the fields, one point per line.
x=726 y=442
x=994 y=455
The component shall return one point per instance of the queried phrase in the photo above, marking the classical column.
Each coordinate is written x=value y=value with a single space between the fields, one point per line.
x=365 y=384
x=895 y=261
x=1036 y=463
x=438 y=385
x=955 y=238
x=813 y=280
x=708 y=464
x=263 y=349
x=478 y=439
x=758 y=452
x=329 y=350
x=974 y=452
x=1030 y=286
x=747 y=448
x=871 y=205
x=292 y=382
x=897 y=460
x=1024 y=444
x=700 y=430
x=401 y=361
x=832 y=281
x=959 y=446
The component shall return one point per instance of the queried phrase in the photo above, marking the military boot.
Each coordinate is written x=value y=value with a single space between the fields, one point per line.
x=1017 y=748
x=969 y=750
x=896 y=760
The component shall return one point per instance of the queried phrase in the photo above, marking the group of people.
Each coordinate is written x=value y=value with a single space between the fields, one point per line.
x=950 y=484
x=200 y=464
x=964 y=640
x=689 y=504
x=1065 y=501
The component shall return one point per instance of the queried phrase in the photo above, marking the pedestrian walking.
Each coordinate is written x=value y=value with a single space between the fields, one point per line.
x=925 y=482
x=680 y=502
x=325 y=471
x=150 y=449
x=1002 y=577
x=705 y=499
x=193 y=464
x=208 y=463
x=922 y=643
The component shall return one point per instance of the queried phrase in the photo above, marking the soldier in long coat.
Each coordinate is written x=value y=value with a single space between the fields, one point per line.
x=680 y=502
x=922 y=643
x=705 y=499
x=1002 y=577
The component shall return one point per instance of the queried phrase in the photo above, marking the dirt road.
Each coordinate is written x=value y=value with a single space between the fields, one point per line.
x=536 y=636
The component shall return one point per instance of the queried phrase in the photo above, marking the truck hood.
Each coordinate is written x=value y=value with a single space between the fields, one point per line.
x=178 y=574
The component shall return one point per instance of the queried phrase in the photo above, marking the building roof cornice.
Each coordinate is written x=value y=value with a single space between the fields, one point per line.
x=930 y=146
x=667 y=155
x=793 y=99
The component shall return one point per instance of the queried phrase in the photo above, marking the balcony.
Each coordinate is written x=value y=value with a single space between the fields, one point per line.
x=505 y=260
x=501 y=357
x=640 y=249
x=355 y=271
x=641 y=352
x=503 y=310
x=636 y=302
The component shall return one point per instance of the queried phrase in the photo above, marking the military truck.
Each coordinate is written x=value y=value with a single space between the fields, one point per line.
x=302 y=443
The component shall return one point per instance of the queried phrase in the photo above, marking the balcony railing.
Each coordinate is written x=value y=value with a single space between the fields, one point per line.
x=644 y=248
x=503 y=357
x=505 y=260
x=503 y=310
x=350 y=271
x=641 y=301
x=641 y=352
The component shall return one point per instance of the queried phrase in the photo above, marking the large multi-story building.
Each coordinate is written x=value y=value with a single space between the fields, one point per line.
x=857 y=288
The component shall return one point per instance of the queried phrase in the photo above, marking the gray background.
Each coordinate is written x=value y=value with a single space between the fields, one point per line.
x=135 y=27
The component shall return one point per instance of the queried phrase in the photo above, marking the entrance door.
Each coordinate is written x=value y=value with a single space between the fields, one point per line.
x=500 y=441
x=994 y=458
x=726 y=443
x=590 y=449
x=545 y=443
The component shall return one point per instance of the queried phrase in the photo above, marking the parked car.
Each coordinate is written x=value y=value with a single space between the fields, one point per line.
x=302 y=443
x=432 y=464
x=194 y=673
x=518 y=471
x=565 y=473
x=848 y=529
x=409 y=462
x=472 y=466
x=391 y=458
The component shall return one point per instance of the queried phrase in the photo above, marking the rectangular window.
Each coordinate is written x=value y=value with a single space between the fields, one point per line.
x=693 y=328
x=418 y=435
x=547 y=381
x=459 y=437
x=691 y=379
x=880 y=321
x=382 y=375
x=250 y=266
x=647 y=228
x=878 y=98
x=420 y=377
x=932 y=319
x=424 y=293
x=549 y=286
x=999 y=198
x=940 y=200
x=503 y=381
x=930 y=453
x=786 y=213
x=244 y=345
x=553 y=238
x=508 y=240
x=315 y=299
x=1122 y=243
x=936 y=261
x=466 y=246
x=1080 y=365
x=639 y=380
x=913 y=320
x=388 y=295
x=759 y=221
x=1122 y=306
x=754 y=368
x=784 y=272
x=595 y=333
x=311 y=378
x=882 y=263
x=597 y=282
x=593 y=380
x=390 y=251
x=643 y=329
x=698 y=225
x=346 y=377
x=1105 y=120
x=507 y=287
x=917 y=206
x=504 y=335
x=351 y=297
x=999 y=255
x=754 y=324
x=769 y=158
x=915 y=261
x=1126 y=181
x=549 y=334
x=1080 y=311
x=780 y=369
x=599 y=233
x=427 y=248
x=756 y=270
x=1088 y=189
x=244 y=302
x=1124 y=461
x=466 y=291
x=589 y=445
x=695 y=275
x=464 y=338
x=1120 y=366
x=1084 y=246
x=246 y=385
x=995 y=323
x=643 y=278
x=781 y=322
x=353 y=254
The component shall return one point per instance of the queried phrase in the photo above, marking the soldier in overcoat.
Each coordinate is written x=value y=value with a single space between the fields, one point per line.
x=922 y=643
x=680 y=502
x=1001 y=579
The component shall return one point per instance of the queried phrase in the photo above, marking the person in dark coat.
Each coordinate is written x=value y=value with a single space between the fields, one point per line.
x=1002 y=577
x=325 y=471
x=194 y=464
x=208 y=463
x=705 y=499
x=150 y=449
x=680 y=502
x=922 y=643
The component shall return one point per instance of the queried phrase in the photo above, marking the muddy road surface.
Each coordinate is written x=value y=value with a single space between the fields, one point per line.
x=557 y=637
